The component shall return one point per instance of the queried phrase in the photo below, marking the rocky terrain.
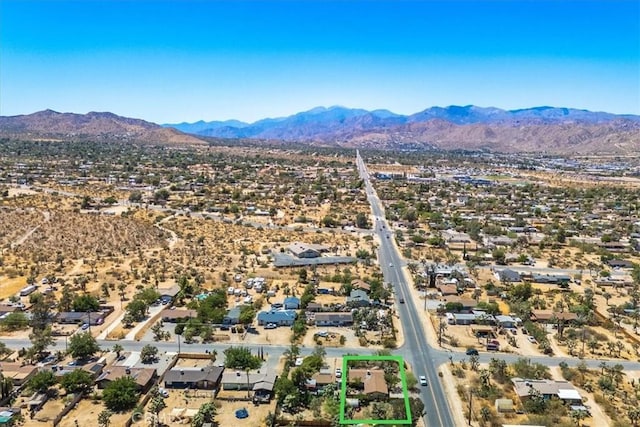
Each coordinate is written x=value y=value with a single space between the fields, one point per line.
x=51 y=125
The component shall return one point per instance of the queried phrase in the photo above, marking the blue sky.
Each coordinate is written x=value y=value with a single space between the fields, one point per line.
x=185 y=60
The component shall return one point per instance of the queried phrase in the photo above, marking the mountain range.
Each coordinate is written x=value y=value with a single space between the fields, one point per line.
x=539 y=129
x=561 y=130
x=52 y=125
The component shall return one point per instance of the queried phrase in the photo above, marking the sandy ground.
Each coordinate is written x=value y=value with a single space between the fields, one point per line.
x=598 y=416
x=11 y=286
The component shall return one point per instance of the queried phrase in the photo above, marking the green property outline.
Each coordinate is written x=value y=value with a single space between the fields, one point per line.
x=343 y=389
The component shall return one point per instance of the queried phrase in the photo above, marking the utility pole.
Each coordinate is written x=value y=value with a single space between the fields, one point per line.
x=470 y=402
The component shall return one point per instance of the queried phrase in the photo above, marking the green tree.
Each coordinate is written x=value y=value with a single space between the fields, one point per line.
x=66 y=299
x=83 y=345
x=148 y=295
x=362 y=220
x=135 y=196
x=137 y=309
x=241 y=358
x=205 y=414
x=149 y=354
x=42 y=381
x=247 y=315
x=41 y=339
x=412 y=381
x=85 y=302
x=156 y=405
x=121 y=394
x=41 y=314
x=76 y=381
x=15 y=321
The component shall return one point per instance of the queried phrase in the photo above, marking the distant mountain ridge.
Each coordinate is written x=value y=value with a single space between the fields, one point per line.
x=539 y=129
x=459 y=127
x=100 y=126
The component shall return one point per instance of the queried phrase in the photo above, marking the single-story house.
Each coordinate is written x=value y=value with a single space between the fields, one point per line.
x=95 y=369
x=144 y=377
x=305 y=250
x=461 y=318
x=173 y=316
x=167 y=295
x=358 y=298
x=562 y=390
x=5 y=309
x=509 y=276
x=449 y=289
x=237 y=380
x=263 y=390
x=78 y=317
x=320 y=380
x=557 y=279
x=314 y=307
x=467 y=303
x=18 y=373
x=291 y=303
x=619 y=263
x=360 y=284
x=232 y=317
x=334 y=319
x=207 y=378
x=506 y=321
x=279 y=317
x=372 y=380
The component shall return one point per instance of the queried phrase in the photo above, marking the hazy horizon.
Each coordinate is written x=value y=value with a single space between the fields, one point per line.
x=173 y=61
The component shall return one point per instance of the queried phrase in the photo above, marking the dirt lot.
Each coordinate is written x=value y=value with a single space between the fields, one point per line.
x=226 y=412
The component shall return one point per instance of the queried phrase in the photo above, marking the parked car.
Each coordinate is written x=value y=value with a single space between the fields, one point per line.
x=338 y=373
x=531 y=339
x=85 y=326
x=472 y=352
x=163 y=392
x=423 y=380
x=270 y=326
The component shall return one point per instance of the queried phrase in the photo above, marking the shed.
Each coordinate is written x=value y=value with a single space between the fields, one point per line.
x=504 y=405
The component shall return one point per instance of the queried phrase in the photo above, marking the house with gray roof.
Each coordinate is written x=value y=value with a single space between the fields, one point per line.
x=239 y=380
x=279 y=317
x=334 y=319
x=232 y=317
x=509 y=276
x=358 y=298
x=306 y=250
x=207 y=378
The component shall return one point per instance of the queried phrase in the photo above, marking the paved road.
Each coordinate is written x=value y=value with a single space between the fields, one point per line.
x=416 y=350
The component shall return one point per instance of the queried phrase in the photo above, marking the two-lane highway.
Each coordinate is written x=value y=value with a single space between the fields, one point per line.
x=416 y=349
